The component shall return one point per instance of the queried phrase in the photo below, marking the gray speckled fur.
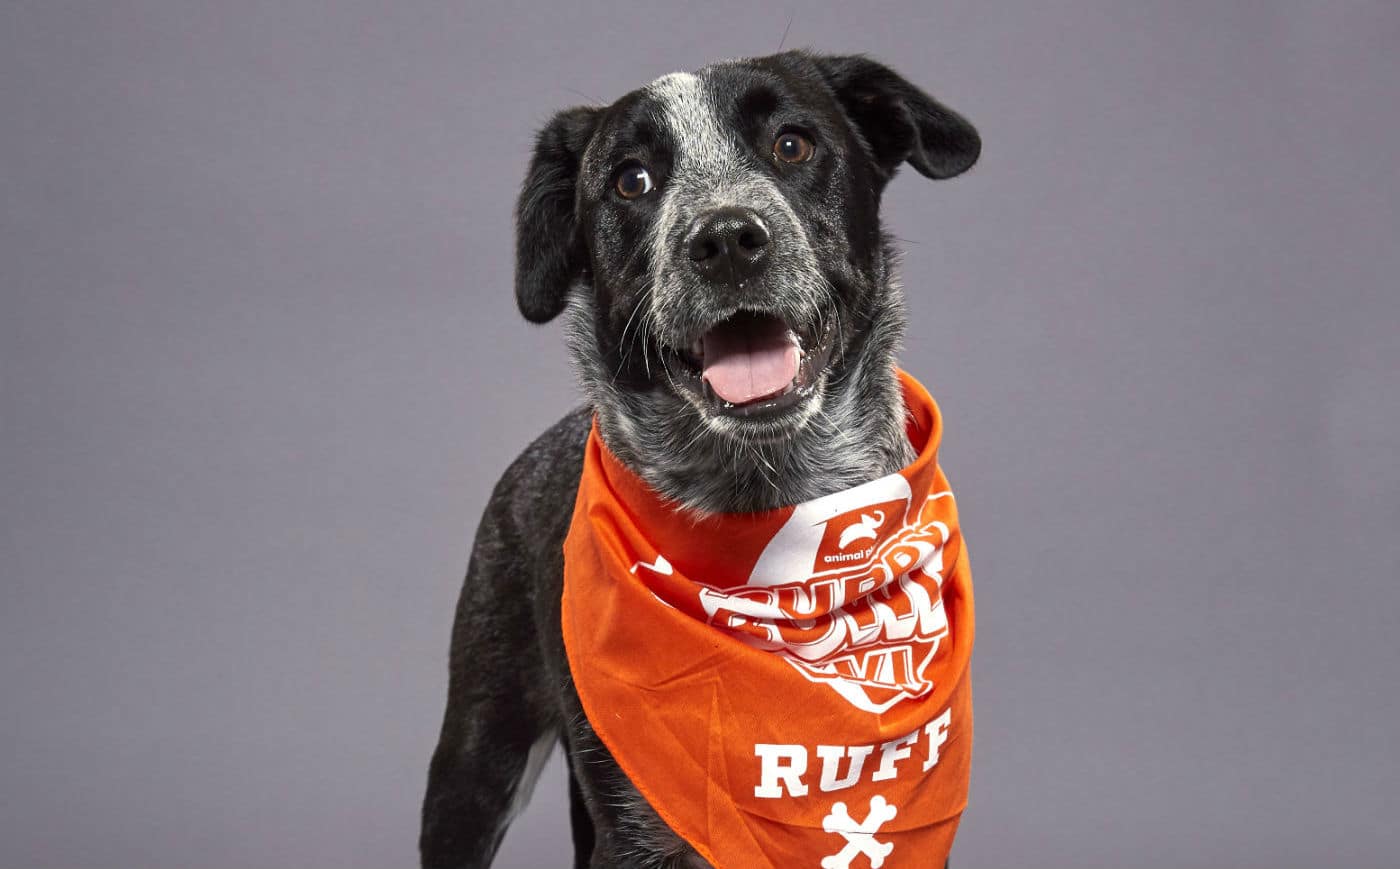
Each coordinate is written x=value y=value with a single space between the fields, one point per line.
x=854 y=431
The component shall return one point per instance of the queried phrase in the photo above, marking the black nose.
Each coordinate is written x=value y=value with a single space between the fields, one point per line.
x=729 y=244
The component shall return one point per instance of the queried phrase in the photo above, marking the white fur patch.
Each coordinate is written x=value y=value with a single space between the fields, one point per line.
x=692 y=122
x=534 y=764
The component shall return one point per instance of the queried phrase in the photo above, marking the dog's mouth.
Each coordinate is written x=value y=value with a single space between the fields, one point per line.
x=752 y=365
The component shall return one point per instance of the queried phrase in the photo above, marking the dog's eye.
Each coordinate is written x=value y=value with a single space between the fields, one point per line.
x=793 y=148
x=634 y=181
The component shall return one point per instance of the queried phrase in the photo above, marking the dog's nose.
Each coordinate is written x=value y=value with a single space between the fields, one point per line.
x=729 y=244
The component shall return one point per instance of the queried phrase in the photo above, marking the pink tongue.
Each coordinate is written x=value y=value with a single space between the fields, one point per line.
x=746 y=362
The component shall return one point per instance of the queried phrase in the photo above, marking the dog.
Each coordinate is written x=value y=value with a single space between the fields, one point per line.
x=737 y=206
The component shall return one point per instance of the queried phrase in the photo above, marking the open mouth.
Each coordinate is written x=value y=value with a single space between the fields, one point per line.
x=752 y=365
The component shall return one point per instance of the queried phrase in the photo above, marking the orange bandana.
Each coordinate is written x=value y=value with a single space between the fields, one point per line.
x=787 y=689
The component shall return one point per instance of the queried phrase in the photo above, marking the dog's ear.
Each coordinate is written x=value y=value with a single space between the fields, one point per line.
x=549 y=253
x=898 y=120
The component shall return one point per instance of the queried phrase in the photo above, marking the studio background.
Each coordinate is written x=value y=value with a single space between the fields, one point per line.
x=260 y=366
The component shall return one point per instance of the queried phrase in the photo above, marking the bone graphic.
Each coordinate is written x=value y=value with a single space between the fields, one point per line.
x=860 y=838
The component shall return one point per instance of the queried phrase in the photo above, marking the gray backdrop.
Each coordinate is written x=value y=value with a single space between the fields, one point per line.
x=261 y=366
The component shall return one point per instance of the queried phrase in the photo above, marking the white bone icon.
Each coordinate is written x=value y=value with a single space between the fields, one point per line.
x=860 y=838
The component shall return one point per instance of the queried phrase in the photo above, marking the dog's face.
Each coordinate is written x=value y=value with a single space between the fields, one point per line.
x=720 y=233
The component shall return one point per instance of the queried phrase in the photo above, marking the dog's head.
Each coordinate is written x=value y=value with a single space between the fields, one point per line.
x=718 y=235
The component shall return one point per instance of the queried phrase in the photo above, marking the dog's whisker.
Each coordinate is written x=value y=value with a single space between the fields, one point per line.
x=622 y=357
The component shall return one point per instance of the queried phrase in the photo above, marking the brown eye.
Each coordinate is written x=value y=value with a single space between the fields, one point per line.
x=793 y=148
x=634 y=181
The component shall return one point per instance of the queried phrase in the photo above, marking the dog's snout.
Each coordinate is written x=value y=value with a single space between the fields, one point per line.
x=729 y=244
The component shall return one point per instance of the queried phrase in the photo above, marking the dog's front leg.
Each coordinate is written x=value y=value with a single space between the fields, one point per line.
x=500 y=722
x=627 y=832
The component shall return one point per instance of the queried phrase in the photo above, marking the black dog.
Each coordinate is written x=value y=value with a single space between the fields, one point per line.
x=736 y=204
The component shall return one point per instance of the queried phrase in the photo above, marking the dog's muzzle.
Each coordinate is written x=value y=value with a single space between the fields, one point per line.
x=754 y=340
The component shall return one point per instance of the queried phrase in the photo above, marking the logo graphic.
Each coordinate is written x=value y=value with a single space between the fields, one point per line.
x=865 y=529
x=847 y=592
x=860 y=838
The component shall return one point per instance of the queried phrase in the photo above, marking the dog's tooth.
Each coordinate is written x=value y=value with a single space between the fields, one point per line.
x=697 y=349
x=796 y=340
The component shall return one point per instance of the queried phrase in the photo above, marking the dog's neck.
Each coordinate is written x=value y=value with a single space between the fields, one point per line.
x=857 y=435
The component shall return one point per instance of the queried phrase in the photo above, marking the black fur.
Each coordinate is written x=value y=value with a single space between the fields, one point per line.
x=548 y=252
x=901 y=122
x=634 y=305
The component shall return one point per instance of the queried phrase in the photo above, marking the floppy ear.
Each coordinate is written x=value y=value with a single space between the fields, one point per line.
x=898 y=120
x=549 y=254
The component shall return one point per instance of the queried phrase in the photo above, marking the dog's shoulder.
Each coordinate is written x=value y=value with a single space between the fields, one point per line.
x=552 y=460
x=534 y=497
